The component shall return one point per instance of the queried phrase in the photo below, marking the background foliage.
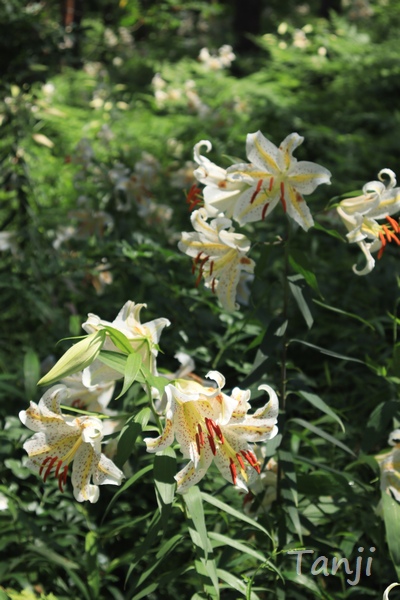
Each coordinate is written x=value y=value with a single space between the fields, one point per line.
x=86 y=144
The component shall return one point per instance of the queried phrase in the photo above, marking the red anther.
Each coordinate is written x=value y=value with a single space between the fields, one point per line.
x=59 y=464
x=380 y=253
x=63 y=479
x=197 y=282
x=258 y=188
x=232 y=468
x=209 y=427
x=212 y=444
x=196 y=260
x=78 y=403
x=213 y=285
x=240 y=461
x=202 y=263
x=396 y=239
x=46 y=460
x=218 y=431
x=201 y=435
x=198 y=443
x=253 y=458
x=193 y=197
x=283 y=196
x=382 y=238
x=49 y=468
x=271 y=183
x=264 y=210
x=211 y=267
x=394 y=224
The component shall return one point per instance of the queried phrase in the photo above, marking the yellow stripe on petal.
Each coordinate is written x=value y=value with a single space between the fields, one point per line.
x=270 y=162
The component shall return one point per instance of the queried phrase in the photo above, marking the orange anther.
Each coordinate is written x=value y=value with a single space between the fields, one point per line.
x=232 y=468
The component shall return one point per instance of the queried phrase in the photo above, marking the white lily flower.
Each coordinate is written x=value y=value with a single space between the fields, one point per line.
x=220 y=189
x=211 y=426
x=95 y=398
x=274 y=175
x=142 y=337
x=390 y=466
x=360 y=216
x=219 y=255
x=60 y=440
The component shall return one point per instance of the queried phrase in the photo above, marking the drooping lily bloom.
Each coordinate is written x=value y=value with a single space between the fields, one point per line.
x=219 y=255
x=220 y=191
x=61 y=440
x=361 y=214
x=390 y=466
x=142 y=337
x=274 y=176
x=211 y=426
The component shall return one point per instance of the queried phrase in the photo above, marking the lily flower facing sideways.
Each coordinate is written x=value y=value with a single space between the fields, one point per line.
x=211 y=426
x=61 y=440
x=218 y=255
x=274 y=175
x=361 y=214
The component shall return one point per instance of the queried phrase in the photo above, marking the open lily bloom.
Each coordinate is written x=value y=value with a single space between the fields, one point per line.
x=390 y=466
x=274 y=176
x=60 y=440
x=142 y=337
x=360 y=216
x=211 y=426
x=219 y=255
x=220 y=191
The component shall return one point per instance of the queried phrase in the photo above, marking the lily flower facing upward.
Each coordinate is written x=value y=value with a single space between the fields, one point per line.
x=390 y=466
x=211 y=426
x=218 y=255
x=274 y=176
x=60 y=440
x=143 y=337
x=360 y=216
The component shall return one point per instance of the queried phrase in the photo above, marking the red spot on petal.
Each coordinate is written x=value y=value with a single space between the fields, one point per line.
x=283 y=196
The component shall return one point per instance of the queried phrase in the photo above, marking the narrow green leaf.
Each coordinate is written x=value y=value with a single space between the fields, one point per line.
x=127 y=485
x=132 y=366
x=300 y=263
x=115 y=360
x=31 y=372
x=297 y=294
x=236 y=584
x=289 y=490
x=327 y=352
x=321 y=433
x=344 y=313
x=76 y=358
x=91 y=550
x=241 y=547
x=119 y=339
x=233 y=512
x=148 y=590
x=194 y=503
x=164 y=471
x=321 y=405
x=391 y=516
x=332 y=232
